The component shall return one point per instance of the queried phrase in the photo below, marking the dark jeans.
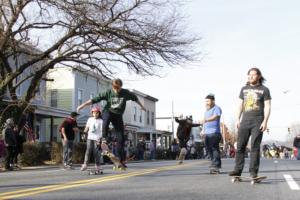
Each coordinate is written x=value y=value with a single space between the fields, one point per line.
x=10 y=154
x=118 y=124
x=212 y=142
x=183 y=142
x=249 y=128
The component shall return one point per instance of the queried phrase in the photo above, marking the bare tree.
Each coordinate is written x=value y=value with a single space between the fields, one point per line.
x=101 y=35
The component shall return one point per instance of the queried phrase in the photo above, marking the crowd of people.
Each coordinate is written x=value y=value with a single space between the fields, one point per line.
x=252 y=118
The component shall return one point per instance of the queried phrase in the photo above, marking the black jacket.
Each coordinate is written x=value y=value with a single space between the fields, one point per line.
x=10 y=136
x=184 y=128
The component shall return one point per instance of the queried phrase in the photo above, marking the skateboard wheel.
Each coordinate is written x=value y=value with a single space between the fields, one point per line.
x=252 y=182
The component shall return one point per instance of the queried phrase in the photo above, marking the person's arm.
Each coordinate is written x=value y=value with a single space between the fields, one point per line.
x=63 y=132
x=141 y=105
x=239 y=112
x=267 y=112
x=212 y=118
x=87 y=103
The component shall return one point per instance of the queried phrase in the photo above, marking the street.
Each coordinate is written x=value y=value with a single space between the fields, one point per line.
x=153 y=180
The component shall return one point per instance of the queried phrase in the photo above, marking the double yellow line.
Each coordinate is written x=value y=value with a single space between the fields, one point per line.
x=73 y=184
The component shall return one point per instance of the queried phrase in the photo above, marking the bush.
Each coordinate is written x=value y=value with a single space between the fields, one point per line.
x=78 y=152
x=34 y=154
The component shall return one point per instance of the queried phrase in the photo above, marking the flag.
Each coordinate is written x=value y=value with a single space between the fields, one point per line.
x=29 y=131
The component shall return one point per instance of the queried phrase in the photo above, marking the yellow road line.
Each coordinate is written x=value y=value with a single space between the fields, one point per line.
x=44 y=189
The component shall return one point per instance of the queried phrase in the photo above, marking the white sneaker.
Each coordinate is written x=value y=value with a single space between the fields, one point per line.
x=83 y=167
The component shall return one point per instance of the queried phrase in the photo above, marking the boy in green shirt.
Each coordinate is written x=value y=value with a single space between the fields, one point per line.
x=113 y=111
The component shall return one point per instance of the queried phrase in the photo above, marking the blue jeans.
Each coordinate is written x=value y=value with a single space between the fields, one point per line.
x=298 y=157
x=91 y=146
x=67 y=152
x=212 y=143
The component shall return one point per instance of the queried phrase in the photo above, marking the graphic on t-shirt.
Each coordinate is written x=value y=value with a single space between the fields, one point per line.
x=116 y=102
x=251 y=101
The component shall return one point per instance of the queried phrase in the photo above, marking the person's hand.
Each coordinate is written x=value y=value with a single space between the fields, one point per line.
x=78 y=109
x=65 y=140
x=237 y=124
x=263 y=126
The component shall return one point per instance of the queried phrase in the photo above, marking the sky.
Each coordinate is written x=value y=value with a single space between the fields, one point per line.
x=236 y=35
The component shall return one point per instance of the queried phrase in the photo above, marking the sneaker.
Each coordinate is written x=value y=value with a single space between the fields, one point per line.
x=214 y=170
x=123 y=164
x=98 y=168
x=83 y=167
x=235 y=173
x=253 y=175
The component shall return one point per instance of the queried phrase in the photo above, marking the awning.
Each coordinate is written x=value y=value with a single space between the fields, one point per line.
x=51 y=111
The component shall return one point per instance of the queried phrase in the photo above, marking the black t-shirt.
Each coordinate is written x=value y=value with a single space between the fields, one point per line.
x=68 y=124
x=254 y=98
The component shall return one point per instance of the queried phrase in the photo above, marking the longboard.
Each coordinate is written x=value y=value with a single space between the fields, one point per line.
x=107 y=152
x=252 y=180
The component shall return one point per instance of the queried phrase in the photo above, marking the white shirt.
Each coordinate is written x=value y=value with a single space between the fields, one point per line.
x=95 y=128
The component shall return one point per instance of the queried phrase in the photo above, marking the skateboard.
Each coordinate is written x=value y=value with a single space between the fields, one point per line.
x=107 y=152
x=94 y=171
x=252 y=180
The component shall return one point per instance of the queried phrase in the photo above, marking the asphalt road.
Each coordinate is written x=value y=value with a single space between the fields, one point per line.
x=153 y=180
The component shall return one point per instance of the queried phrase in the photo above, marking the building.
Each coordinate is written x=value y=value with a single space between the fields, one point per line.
x=70 y=88
x=142 y=124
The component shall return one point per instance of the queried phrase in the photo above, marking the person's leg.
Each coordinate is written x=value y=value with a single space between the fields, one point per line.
x=65 y=153
x=106 y=117
x=89 y=148
x=96 y=153
x=215 y=145
x=256 y=138
x=242 y=140
x=208 y=147
x=8 y=158
x=117 y=121
x=70 y=152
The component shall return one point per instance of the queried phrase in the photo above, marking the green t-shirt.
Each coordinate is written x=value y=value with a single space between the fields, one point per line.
x=116 y=103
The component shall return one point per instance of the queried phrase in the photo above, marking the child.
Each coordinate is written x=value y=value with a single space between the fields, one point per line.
x=94 y=130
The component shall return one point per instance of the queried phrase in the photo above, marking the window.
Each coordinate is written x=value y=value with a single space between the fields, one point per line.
x=134 y=114
x=92 y=95
x=141 y=112
x=80 y=97
x=152 y=118
x=148 y=117
x=53 y=98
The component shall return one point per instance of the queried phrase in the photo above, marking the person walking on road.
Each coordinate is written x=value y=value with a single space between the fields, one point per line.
x=212 y=133
x=10 y=143
x=183 y=135
x=296 y=144
x=113 y=112
x=68 y=129
x=252 y=120
x=93 y=129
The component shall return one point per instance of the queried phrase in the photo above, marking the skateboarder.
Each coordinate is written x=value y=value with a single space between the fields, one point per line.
x=93 y=129
x=183 y=134
x=113 y=112
x=68 y=129
x=254 y=107
x=212 y=132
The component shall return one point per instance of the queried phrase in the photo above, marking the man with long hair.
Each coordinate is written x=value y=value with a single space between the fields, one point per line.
x=252 y=120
